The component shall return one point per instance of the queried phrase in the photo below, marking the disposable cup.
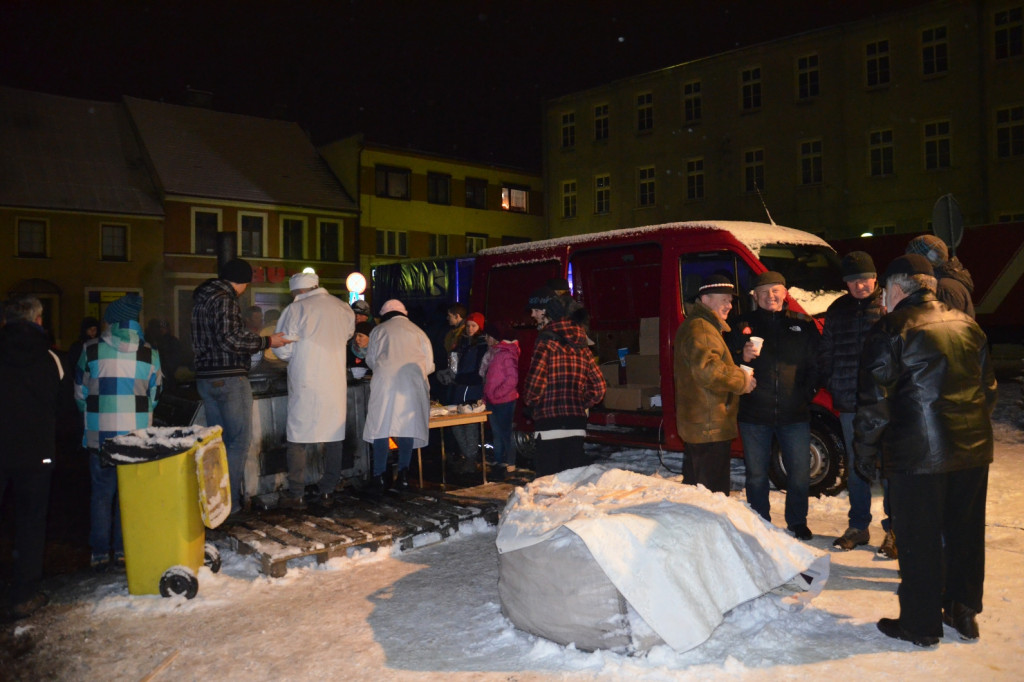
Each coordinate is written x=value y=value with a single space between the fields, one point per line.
x=758 y=342
x=747 y=368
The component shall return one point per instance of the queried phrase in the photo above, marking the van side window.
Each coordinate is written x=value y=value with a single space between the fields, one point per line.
x=695 y=267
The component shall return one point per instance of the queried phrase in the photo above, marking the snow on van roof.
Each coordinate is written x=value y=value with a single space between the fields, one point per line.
x=752 y=235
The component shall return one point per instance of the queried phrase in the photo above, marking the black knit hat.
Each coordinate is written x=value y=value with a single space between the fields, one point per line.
x=539 y=299
x=716 y=284
x=909 y=264
x=364 y=327
x=237 y=270
x=858 y=265
x=770 y=277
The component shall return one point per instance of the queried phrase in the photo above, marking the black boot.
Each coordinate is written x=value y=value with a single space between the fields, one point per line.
x=962 y=619
x=401 y=481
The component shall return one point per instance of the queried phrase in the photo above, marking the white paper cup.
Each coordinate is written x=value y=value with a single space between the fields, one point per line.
x=747 y=368
x=758 y=342
x=358 y=372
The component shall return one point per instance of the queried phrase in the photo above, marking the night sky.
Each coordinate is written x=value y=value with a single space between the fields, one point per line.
x=461 y=78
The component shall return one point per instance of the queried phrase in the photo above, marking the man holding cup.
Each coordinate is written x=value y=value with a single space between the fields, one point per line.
x=708 y=386
x=782 y=347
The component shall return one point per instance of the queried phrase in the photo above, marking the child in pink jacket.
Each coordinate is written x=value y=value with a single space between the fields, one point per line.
x=500 y=370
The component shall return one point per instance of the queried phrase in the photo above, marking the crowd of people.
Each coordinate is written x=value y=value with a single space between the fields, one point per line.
x=905 y=363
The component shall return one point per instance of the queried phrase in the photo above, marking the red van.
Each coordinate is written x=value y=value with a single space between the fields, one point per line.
x=644 y=278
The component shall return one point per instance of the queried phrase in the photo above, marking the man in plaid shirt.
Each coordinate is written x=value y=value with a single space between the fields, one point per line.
x=563 y=383
x=223 y=355
x=117 y=385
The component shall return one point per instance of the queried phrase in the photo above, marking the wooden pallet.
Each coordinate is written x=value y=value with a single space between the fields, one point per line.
x=358 y=522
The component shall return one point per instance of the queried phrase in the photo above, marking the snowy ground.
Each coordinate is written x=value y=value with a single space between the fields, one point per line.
x=433 y=614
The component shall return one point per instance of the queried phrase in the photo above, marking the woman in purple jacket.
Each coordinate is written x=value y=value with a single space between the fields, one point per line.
x=500 y=370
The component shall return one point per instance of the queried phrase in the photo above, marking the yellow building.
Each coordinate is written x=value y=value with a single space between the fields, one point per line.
x=415 y=205
x=850 y=129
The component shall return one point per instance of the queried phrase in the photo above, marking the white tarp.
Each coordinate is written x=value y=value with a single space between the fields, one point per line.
x=679 y=556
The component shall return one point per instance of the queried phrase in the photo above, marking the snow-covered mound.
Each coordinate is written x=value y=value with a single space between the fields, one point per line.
x=611 y=559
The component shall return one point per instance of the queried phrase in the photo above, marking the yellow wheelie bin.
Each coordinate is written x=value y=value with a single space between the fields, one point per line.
x=172 y=483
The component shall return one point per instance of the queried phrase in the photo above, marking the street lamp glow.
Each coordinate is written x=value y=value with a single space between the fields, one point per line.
x=356 y=283
x=308 y=271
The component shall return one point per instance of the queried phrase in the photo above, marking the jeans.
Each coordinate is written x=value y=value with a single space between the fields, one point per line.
x=795 y=443
x=859 y=488
x=104 y=509
x=297 y=454
x=380 y=453
x=228 y=403
x=501 y=430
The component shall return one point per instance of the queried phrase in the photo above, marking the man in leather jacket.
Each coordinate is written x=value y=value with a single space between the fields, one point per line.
x=925 y=395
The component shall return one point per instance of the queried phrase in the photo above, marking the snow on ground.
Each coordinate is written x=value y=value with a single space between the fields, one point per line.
x=433 y=613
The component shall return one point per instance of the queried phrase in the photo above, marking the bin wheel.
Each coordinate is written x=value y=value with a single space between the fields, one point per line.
x=211 y=557
x=178 y=580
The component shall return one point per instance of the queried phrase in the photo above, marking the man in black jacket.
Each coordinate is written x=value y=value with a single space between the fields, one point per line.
x=925 y=395
x=847 y=322
x=785 y=368
x=30 y=377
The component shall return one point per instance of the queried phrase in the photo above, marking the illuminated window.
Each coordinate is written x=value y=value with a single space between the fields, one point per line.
x=692 y=103
x=31 y=238
x=569 y=199
x=601 y=122
x=810 y=162
x=807 y=77
x=644 y=112
x=695 y=178
x=603 y=194
x=114 y=242
x=515 y=198
x=877 y=64
x=936 y=145
x=750 y=88
x=645 y=186
x=934 y=51
x=568 y=130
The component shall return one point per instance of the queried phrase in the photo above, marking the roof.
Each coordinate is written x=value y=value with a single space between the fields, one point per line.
x=61 y=153
x=202 y=153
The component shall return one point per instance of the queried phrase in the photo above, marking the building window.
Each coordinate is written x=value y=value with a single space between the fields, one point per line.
x=393 y=183
x=293 y=233
x=880 y=149
x=1010 y=218
x=645 y=112
x=438 y=245
x=569 y=199
x=205 y=226
x=1010 y=132
x=603 y=194
x=568 y=130
x=807 y=77
x=114 y=242
x=475 y=242
x=936 y=145
x=934 y=51
x=1009 y=33
x=392 y=243
x=476 y=193
x=251 y=232
x=695 y=179
x=515 y=198
x=330 y=241
x=692 y=104
x=32 y=238
x=750 y=89
x=753 y=170
x=439 y=188
x=810 y=162
x=879 y=230
x=877 y=63
x=645 y=186
x=601 y=122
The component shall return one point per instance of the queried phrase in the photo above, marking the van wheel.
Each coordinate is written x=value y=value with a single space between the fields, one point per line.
x=526 y=448
x=826 y=461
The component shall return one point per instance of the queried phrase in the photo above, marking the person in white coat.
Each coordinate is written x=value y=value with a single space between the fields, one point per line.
x=401 y=358
x=320 y=326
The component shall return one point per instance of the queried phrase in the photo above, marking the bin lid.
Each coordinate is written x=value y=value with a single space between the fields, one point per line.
x=153 y=443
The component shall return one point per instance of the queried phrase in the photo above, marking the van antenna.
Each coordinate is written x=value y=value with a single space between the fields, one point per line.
x=766 y=212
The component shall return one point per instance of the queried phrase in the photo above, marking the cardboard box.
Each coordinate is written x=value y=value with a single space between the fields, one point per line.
x=649 y=335
x=643 y=369
x=629 y=397
x=610 y=370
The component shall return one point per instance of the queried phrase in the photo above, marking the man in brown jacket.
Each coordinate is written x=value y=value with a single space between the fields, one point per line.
x=708 y=386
